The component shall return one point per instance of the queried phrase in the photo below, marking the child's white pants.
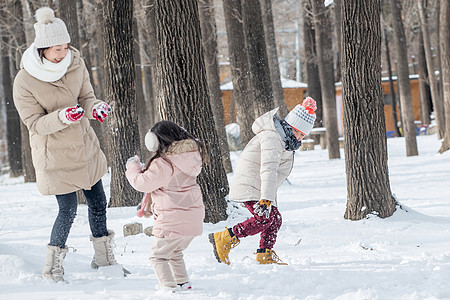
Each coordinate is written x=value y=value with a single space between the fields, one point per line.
x=167 y=260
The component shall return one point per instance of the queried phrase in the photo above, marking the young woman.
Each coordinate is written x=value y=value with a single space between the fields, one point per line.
x=55 y=99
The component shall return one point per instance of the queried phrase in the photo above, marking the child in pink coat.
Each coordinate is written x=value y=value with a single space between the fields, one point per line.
x=170 y=179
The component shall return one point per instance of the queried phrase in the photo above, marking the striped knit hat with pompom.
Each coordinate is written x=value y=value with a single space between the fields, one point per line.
x=302 y=117
x=50 y=31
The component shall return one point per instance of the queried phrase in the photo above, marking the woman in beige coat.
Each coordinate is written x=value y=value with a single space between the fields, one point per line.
x=55 y=99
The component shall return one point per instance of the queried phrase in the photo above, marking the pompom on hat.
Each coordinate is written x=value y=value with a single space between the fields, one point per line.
x=302 y=117
x=50 y=31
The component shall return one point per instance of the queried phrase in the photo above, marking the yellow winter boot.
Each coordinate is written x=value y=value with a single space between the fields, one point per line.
x=268 y=256
x=223 y=243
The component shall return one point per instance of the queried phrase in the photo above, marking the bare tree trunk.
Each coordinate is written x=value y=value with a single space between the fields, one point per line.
x=312 y=69
x=239 y=68
x=69 y=14
x=257 y=56
x=444 y=38
x=403 y=83
x=29 y=173
x=337 y=17
x=144 y=121
x=275 y=77
x=184 y=96
x=438 y=105
x=209 y=40
x=322 y=22
x=13 y=135
x=424 y=87
x=391 y=84
x=120 y=89
x=151 y=51
x=366 y=168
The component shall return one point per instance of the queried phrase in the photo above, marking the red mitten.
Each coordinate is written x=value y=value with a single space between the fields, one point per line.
x=100 y=111
x=70 y=115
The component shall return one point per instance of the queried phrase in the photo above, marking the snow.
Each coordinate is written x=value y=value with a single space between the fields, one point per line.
x=406 y=256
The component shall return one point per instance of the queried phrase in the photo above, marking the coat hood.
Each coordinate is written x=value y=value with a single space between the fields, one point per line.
x=185 y=156
x=265 y=122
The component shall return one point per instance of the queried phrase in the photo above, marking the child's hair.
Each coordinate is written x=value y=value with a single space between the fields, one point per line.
x=168 y=132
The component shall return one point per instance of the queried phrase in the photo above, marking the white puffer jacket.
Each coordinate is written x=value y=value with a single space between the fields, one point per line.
x=264 y=164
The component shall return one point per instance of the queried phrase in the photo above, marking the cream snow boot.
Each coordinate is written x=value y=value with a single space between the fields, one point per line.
x=104 y=251
x=53 y=268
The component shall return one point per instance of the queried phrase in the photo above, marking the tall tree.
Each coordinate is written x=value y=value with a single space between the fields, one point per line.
x=322 y=23
x=271 y=45
x=124 y=138
x=69 y=14
x=209 y=40
x=444 y=39
x=13 y=135
x=255 y=42
x=240 y=70
x=143 y=113
x=20 y=44
x=366 y=168
x=424 y=87
x=183 y=92
x=438 y=105
x=391 y=83
x=403 y=83
x=312 y=69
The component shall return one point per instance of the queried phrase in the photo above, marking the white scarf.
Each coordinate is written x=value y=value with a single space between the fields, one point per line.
x=45 y=71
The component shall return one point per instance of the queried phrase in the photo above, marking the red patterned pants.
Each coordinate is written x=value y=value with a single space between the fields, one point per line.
x=267 y=227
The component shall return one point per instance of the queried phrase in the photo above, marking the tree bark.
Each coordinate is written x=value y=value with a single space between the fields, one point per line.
x=438 y=105
x=144 y=121
x=391 y=84
x=337 y=18
x=209 y=40
x=239 y=69
x=13 y=134
x=403 y=83
x=120 y=89
x=322 y=22
x=366 y=168
x=184 y=96
x=255 y=42
x=271 y=45
x=69 y=14
x=424 y=86
x=312 y=69
x=444 y=38
x=20 y=44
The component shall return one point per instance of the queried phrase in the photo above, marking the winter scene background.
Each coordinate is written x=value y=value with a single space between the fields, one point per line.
x=406 y=256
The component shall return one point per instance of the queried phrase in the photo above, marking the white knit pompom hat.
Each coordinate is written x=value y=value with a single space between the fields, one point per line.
x=50 y=31
x=151 y=141
x=303 y=115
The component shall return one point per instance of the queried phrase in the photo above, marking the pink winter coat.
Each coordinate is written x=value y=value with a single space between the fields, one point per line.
x=177 y=199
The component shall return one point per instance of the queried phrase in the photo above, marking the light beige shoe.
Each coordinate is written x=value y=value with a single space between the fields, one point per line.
x=53 y=268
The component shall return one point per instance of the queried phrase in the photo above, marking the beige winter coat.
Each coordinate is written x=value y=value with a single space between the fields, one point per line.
x=264 y=164
x=66 y=157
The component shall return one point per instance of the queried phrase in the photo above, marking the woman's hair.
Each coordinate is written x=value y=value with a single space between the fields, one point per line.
x=41 y=53
x=168 y=132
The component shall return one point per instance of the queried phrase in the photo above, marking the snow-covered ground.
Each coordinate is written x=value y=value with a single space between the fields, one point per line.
x=406 y=256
